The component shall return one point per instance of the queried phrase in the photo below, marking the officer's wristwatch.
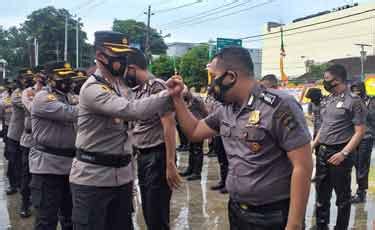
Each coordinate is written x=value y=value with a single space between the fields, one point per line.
x=345 y=153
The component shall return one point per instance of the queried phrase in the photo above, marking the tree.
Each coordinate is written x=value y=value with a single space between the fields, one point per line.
x=136 y=32
x=193 y=66
x=48 y=26
x=163 y=67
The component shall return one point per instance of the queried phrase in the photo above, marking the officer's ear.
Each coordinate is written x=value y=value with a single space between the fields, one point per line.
x=232 y=76
x=101 y=57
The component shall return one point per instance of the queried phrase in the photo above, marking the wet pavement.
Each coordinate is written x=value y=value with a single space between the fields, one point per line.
x=194 y=206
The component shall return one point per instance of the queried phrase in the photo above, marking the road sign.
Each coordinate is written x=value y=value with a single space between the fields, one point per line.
x=224 y=42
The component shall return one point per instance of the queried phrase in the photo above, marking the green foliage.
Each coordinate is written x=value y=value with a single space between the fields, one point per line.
x=136 y=32
x=163 y=67
x=193 y=66
x=317 y=71
x=48 y=26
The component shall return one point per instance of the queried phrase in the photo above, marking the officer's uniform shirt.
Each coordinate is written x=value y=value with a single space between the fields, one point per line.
x=197 y=107
x=256 y=138
x=340 y=113
x=102 y=128
x=27 y=99
x=16 y=124
x=149 y=133
x=6 y=107
x=370 y=120
x=52 y=120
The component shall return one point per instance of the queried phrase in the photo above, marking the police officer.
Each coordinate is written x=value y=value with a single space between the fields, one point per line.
x=27 y=140
x=195 y=164
x=362 y=157
x=155 y=139
x=101 y=176
x=270 y=81
x=50 y=159
x=15 y=129
x=267 y=142
x=6 y=113
x=78 y=81
x=343 y=126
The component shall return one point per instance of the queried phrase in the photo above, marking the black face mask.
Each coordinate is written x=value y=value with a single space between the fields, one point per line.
x=111 y=60
x=219 y=90
x=29 y=82
x=131 y=79
x=328 y=85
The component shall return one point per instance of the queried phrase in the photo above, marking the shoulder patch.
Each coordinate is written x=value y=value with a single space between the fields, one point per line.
x=7 y=101
x=105 y=88
x=51 y=97
x=157 y=86
x=270 y=98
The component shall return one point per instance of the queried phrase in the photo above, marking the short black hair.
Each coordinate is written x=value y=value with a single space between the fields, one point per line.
x=272 y=79
x=138 y=58
x=237 y=59
x=338 y=72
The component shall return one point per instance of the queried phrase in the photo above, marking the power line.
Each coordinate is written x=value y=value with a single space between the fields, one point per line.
x=226 y=15
x=200 y=14
x=309 y=25
x=311 y=30
x=177 y=7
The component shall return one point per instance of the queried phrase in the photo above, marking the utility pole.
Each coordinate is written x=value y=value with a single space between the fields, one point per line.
x=36 y=52
x=147 y=45
x=57 y=51
x=66 y=39
x=77 y=43
x=363 y=58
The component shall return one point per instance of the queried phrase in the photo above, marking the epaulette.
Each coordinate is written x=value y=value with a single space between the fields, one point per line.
x=270 y=98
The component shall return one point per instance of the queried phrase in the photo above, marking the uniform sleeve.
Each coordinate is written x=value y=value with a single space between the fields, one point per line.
x=17 y=99
x=156 y=88
x=27 y=99
x=371 y=114
x=289 y=125
x=359 y=111
x=213 y=120
x=99 y=99
x=52 y=109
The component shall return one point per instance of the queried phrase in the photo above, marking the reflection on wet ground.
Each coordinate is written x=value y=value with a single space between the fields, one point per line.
x=194 y=206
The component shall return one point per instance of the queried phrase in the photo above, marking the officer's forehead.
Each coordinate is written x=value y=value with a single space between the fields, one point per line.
x=216 y=65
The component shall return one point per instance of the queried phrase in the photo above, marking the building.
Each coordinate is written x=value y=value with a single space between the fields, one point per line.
x=256 y=56
x=178 y=49
x=319 y=38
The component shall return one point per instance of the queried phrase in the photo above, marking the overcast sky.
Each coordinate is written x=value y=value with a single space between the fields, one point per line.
x=240 y=18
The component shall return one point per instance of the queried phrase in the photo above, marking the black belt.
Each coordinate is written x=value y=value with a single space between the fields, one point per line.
x=108 y=160
x=262 y=208
x=56 y=151
x=337 y=147
x=158 y=148
x=28 y=131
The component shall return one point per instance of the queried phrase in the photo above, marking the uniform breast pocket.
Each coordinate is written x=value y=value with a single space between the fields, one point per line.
x=225 y=129
x=254 y=138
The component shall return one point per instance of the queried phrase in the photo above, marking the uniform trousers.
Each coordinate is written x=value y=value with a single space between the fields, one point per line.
x=195 y=158
x=14 y=156
x=26 y=178
x=155 y=192
x=272 y=216
x=328 y=178
x=362 y=161
x=52 y=201
x=102 y=208
x=221 y=157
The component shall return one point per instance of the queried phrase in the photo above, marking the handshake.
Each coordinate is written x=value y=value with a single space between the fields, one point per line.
x=175 y=86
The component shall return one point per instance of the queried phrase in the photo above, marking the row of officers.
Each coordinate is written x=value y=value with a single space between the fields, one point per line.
x=80 y=148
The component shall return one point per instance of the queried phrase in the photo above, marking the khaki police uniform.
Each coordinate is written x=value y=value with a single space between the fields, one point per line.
x=339 y=113
x=15 y=129
x=257 y=137
x=148 y=137
x=6 y=112
x=50 y=159
x=101 y=175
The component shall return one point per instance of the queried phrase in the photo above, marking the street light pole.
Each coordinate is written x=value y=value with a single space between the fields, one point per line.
x=77 y=43
x=147 y=45
x=363 y=58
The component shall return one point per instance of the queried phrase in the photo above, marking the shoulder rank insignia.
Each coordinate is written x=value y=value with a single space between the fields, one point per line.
x=270 y=98
x=51 y=97
x=7 y=101
x=339 y=104
x=254 y=118
x=105 y=88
